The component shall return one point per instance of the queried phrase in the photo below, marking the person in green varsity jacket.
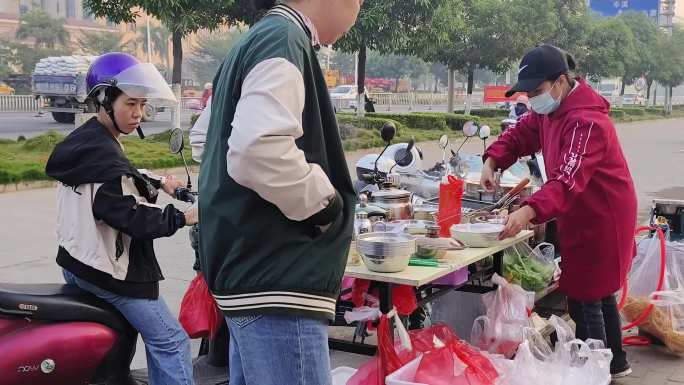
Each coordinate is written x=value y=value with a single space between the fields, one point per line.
x=276 y=198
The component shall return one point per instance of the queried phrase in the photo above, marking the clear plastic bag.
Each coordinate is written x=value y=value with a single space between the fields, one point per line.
x=572 y=362
x=508 y=309
x=665 y=320
x=532 y=269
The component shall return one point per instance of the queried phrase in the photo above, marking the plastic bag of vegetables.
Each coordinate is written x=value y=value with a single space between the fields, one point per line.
x=532 y=269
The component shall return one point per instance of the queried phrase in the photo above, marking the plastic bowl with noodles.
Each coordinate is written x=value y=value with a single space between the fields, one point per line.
x=477 y=234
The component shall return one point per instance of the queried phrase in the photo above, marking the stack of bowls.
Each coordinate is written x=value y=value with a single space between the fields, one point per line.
x=386 y=252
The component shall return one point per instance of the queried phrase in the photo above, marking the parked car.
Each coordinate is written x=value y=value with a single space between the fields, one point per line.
x=6 y=89
x=344 y=96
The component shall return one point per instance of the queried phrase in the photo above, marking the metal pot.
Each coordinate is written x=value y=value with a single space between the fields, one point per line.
x=473 y=190
x=425 y=212
x=396 y=202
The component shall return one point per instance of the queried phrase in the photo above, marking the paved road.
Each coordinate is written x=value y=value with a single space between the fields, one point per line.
x=13 y=124
x=655 y=151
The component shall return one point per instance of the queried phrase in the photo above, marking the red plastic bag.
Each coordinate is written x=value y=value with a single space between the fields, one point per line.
x=403 y=296
x=392 y=355
x=438 y=363
x=367 y=374
x=441 y=367
x=199 y=315
x=457 y=363
x=450 y=195
x=423 y=340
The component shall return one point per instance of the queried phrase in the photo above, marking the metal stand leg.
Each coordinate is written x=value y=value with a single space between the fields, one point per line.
x=498 y=264
x=385 y=297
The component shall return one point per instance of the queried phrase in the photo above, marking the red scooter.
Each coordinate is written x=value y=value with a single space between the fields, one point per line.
x=58 y=334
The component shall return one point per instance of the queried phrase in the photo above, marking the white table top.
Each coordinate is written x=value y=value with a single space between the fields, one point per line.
x=422 y=275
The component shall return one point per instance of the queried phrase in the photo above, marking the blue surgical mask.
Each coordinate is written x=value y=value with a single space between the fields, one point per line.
x=545 y=104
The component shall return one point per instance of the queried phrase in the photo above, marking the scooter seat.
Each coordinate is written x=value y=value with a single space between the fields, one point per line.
x=58 y=302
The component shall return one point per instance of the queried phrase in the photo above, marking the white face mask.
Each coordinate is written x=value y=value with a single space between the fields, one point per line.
x=545 y=104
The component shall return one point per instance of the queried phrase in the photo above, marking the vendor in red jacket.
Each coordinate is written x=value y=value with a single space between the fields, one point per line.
x=589 y=190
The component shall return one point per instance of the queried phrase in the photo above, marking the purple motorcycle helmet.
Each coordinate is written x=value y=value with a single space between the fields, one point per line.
x=103 y=70
x=124 y=72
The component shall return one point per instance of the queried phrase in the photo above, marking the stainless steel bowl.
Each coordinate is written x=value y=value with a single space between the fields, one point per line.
x=385 y=252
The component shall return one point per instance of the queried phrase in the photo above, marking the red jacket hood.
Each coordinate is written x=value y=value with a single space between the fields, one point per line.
x=583 y=97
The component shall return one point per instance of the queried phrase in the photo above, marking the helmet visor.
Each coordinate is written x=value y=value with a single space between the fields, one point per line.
x=143 y=81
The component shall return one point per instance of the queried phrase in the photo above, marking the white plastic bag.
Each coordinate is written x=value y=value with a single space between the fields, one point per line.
x=508 y=309
x=572 y=362
x=666 y=320
x=671 y=298
x=363 y=313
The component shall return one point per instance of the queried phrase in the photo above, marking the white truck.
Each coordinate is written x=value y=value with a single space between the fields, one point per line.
x=61 y=82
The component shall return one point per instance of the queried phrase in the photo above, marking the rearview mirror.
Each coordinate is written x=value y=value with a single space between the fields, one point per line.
x=443 y=142
x=388 y=131
x=176 y=141
x=470 y=129
x=485 y=132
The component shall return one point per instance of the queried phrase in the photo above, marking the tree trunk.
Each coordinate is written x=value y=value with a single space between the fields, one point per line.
x=469 y=96
x=450 y=86
x=177 y=57
x=649 y=83
x=622 y=92
x=396 y=84
x=361 y=81
x=667 y=100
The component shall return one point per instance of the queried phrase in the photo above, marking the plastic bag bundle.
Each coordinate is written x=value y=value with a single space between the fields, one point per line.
x=508 y=309
x=665 y=320
x=572 y=362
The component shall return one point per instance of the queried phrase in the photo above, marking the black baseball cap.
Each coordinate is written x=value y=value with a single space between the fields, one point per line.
x=544 y=62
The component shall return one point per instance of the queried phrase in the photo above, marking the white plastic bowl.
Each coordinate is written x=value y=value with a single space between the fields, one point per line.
x=477 y=234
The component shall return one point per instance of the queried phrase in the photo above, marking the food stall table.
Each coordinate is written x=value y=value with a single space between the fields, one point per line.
x=418 y=276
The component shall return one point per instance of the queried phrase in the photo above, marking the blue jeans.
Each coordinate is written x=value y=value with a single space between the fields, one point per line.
x=278 y=350
x=167 y=345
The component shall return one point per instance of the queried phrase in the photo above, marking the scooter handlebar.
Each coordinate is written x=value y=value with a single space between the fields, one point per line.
x=185 y=195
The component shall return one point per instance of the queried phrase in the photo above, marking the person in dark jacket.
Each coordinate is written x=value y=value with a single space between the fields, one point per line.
x=107 y=216
x=520 y=107
x=589 y=191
